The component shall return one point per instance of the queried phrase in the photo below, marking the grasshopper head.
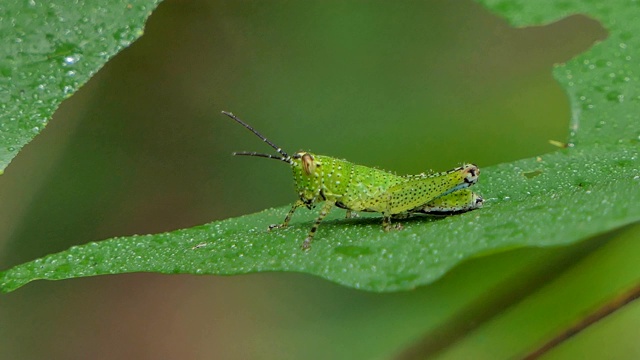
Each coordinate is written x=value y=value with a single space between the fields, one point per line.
x=307 y=174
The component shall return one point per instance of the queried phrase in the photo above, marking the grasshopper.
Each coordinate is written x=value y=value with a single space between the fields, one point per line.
x=359 y=188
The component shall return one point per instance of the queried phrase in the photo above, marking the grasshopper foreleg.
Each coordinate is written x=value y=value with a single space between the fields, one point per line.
x=285 y=223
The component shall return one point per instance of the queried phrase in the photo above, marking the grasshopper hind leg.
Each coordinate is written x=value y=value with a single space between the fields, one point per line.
x=388 y=226
x=455 y=203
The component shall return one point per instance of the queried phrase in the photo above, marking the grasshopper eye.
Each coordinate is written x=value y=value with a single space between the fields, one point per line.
x=308 y=164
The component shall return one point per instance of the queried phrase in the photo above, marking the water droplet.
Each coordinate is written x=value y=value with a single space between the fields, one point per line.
x=615 y=96
x=71 y=59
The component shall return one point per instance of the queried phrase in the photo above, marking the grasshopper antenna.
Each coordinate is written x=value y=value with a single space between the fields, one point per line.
x=285 y=157
x=253 y=153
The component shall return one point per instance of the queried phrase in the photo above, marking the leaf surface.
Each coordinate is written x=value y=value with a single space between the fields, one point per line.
x=589 y=188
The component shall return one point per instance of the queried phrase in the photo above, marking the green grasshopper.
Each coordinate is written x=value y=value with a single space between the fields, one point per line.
x=360 y=188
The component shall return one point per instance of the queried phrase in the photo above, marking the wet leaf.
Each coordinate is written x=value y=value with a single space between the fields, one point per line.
x=588 y=188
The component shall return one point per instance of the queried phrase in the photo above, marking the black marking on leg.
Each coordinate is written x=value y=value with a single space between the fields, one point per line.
x=323 y=213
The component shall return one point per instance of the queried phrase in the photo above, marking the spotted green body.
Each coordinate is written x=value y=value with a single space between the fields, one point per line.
x=357 y=188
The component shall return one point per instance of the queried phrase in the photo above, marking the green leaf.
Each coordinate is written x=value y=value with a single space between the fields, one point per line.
x=586 y=189
x=49 y=50
x=601 y=277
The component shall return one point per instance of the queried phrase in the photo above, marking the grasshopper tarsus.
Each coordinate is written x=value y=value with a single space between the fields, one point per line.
x=391 y=227
x=306 y=244
x=351 y=215
x=386 y=223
